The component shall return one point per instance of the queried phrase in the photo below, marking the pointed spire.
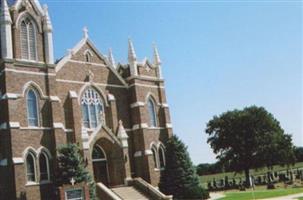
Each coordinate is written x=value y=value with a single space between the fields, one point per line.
x=111 y=58
x=121 y=131
x=131 y=51
x=47 y=22
x=157 y=60
x=5 y=15
x=85 y=32
x=122 y=135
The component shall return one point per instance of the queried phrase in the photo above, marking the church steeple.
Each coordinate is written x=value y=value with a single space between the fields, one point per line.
x=157 y=61
x=111 y=58
x=6 y=31
x=48 y=37
x=132 y=59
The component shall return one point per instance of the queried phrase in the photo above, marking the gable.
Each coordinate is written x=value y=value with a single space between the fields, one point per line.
x=75 y=62
x=80 y=55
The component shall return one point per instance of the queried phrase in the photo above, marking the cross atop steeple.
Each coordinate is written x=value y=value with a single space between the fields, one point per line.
x=85 y=32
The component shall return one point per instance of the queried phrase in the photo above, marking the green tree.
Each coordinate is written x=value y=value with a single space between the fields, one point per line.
x=249 y=138
x=71 y=166
x=179 y=177
x=299 y=154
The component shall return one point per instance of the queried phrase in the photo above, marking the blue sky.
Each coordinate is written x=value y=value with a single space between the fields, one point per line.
x=217 y=55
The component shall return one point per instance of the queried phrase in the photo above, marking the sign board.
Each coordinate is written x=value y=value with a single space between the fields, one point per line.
x=74 y=194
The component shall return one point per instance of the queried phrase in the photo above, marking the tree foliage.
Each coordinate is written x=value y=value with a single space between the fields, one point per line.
x=71 y=166
x=299 y=154
x=249 y=138
x=179 y=178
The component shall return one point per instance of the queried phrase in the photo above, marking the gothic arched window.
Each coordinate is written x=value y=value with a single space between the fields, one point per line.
x=161 y=153
x=44 y=167
x=32 y=108
x=92 y=108
x=152 y=112
x=155 y=152
x=30 y=167
x=28 y=40
x=88 y=56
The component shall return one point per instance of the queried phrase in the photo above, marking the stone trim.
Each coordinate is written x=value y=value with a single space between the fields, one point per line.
x=73 y=94
x=148 y=152
x=13 y=125
x=137 y=104
x=138 y=126
x=148 y=78
x=145 y=85
x=28 y=72
x=169 y=125
x=82 y=83
x=90 y=63
x=18 y=160
x=12 y=96
x=111 y=97
x=138 y=154
x=54 y=99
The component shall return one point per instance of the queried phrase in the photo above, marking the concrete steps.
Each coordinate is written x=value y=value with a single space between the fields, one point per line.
x=129 y=193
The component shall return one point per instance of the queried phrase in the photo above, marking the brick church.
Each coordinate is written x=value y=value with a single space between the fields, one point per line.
x=117 y=113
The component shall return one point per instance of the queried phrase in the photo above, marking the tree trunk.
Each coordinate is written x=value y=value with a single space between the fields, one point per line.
x=247 y=179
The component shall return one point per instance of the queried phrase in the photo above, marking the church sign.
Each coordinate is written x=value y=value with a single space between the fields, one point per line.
x=74 y=194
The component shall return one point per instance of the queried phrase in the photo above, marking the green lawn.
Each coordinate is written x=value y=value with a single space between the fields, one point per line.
x=207 y=178
x=261 y=194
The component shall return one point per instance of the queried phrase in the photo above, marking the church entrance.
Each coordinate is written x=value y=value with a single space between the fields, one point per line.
x=100 y=165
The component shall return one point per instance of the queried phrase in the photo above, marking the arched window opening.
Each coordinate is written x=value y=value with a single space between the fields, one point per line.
x=92 y=108
x=30 y=168
x=44 y=167
x=32 y=108
x=88 y=56
x=28 y=40
x=161 y=157
x=154 y=150
x=152 y=113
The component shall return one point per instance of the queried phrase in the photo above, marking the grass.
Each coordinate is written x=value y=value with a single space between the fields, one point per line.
x=261 y=194
x=206 y=178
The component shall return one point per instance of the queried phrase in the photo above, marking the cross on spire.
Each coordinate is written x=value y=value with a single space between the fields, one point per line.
x=85 y=32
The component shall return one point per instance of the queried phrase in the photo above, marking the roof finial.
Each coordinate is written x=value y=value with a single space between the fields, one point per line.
x=5 y=15
x=111 y=58
x=85 y=32
x=157 y=60
x=131 y=51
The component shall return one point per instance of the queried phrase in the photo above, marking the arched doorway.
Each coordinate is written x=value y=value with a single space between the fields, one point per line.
x=100 y=165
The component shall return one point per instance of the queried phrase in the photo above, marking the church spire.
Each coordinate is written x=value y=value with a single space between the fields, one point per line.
x=6 y=31
x=48 y=37
x=122 y=135
x=111 y=58
x=5 y=15
x=47 y=26
x=157 y=61
x=132 y=59
x=131 y=51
